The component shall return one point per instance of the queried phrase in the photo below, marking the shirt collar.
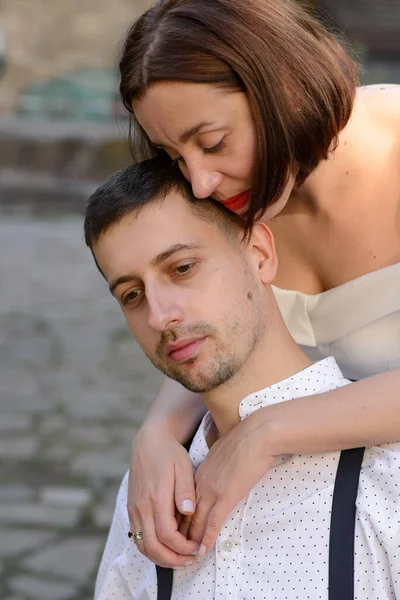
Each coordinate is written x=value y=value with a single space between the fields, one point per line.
x=312 y=380
x=320 y=376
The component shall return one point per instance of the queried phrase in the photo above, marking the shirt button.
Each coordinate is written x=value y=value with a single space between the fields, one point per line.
x=227 y=545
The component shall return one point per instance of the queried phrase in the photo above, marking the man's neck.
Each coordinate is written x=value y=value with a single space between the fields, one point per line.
x=277 y=359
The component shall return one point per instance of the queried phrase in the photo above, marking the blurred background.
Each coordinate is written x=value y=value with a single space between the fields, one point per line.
x=74 y=387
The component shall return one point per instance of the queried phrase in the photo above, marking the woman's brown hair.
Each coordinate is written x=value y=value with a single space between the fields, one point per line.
x=299 y=80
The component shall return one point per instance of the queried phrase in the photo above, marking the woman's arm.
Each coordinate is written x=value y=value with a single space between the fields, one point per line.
x=177 y=410
x=361 y=414
x=161 y=475
x=365 y=413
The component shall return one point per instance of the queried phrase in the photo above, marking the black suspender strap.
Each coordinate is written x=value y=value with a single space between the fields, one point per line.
x=164 y=583
x=343 y=520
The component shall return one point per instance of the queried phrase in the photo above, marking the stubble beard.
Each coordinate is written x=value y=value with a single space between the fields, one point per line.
x=220 y=368
x=223 y=367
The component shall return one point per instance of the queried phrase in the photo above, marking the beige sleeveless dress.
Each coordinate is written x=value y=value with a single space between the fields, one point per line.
x=358 y=322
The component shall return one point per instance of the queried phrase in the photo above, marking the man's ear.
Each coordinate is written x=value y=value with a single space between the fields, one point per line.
x=262 y=246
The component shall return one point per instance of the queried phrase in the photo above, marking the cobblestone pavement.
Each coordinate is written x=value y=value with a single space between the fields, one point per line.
x=73 y=389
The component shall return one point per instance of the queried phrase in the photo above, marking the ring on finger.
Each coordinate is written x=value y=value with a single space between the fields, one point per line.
x=136 y=535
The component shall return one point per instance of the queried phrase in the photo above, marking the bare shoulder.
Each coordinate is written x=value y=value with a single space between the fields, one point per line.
x=384 y=103
x=382 y=90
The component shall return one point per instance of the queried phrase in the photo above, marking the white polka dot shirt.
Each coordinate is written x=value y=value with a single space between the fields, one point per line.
x=274 y=545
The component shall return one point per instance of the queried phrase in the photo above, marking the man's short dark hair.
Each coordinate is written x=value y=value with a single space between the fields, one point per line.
x=152 y=180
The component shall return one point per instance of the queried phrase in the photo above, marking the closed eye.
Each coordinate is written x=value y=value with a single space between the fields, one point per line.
x=217 y=148
x=210 y=150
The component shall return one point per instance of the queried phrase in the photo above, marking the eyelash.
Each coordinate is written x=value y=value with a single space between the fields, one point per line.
x=190 y=265
x=125 y=300
x=212 y=150
x=216 y=148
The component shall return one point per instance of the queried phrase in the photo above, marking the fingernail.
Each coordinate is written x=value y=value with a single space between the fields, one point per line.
x=202 y=550
x=179 y=568
x=187 y=506
x=186 y=564
x=194 y=553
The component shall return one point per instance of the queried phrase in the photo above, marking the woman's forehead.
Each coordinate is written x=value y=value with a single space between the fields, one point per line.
x=185 y=109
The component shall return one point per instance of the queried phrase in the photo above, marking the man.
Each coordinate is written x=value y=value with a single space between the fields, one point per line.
x=196 y=294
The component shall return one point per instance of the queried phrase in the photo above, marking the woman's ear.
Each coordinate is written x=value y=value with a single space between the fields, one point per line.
x=262 y=246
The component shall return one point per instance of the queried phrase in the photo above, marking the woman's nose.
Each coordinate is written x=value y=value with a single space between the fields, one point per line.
x=204 y=183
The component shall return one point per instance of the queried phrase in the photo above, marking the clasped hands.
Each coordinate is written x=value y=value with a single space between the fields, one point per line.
x=181 y=513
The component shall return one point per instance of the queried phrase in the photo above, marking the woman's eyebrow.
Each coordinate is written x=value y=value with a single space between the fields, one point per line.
x=185 y=137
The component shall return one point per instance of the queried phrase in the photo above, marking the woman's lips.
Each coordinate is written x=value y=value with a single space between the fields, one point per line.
x=237 y=202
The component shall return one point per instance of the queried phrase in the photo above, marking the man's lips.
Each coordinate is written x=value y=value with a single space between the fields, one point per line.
x=237 y=202
x=184 y=349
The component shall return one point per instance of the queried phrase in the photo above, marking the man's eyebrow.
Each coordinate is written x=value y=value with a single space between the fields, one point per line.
x=185 y=137
x=171 y=250
x=160 y=258
x=117 y=282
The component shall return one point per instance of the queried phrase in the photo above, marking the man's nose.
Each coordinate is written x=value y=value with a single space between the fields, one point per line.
x=164 y=310
x=204 y=183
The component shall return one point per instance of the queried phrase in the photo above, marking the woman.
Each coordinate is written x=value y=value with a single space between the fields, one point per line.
x=258 y=104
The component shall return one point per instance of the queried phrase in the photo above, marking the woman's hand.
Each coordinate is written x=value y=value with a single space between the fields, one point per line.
x=231 y=469
x=347 y=417
x=161 y=479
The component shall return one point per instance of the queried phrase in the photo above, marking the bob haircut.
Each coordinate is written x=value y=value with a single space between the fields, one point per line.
x=299 y=80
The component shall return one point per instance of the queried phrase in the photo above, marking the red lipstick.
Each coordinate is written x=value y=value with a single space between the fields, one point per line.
x=237 y=202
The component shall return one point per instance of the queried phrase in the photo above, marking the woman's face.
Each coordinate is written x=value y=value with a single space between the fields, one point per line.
x=209 y=131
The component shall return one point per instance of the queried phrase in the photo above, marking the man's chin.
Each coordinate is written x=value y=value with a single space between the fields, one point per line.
x=198 y=385
x=198 y=377
x=192 y=380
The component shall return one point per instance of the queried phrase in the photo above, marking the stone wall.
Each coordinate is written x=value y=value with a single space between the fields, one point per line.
x=54 y=168
x=45 y=38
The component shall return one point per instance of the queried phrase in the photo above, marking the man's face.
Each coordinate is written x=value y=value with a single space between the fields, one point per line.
x=190 y=294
